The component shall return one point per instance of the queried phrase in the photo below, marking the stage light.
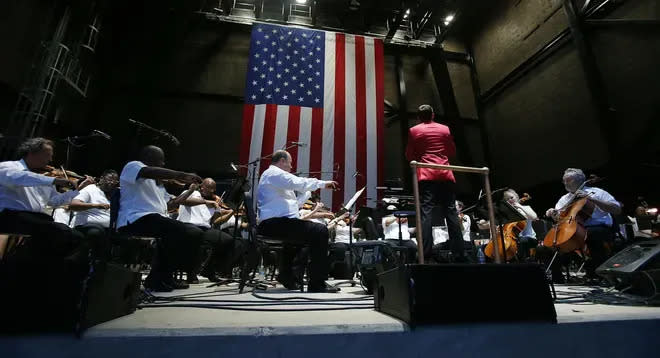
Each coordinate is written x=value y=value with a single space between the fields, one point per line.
x=449 y=18
x=405 y=16
x=301 y=1
x=234 y=167
x=446 y=23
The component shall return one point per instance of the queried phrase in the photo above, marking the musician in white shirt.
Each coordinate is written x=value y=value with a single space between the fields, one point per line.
x=25 y=197
x=600 y=232
x=200 y=209
x=92 y=212
x=278 y=202
x=527 y=237
x=143 y=207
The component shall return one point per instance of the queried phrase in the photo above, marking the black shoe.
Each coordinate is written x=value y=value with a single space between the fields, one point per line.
x=176 y=284
x=156 y=285
x=192 y=279
x=322 y=288
x=289 y=283
x=211 y=277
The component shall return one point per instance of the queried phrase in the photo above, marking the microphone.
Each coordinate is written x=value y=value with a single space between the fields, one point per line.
x=101 y=134
x=356 y=174
x=300 y=144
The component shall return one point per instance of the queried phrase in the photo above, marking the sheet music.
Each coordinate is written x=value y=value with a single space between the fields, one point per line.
x=354 y=199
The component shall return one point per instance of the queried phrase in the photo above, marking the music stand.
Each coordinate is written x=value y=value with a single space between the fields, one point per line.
x=349 y=207
x=399 y=215
x=504 y=213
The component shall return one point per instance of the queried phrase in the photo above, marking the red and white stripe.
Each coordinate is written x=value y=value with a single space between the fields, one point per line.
x=345 y=136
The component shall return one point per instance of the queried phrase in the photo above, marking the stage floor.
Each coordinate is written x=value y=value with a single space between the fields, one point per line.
x=278 y=311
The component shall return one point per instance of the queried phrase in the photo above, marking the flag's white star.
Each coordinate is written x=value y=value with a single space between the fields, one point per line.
x=311 y=41
x=302 y=72
x=259 y=29
x=270 y=69
x=266 y=37
x=318 y=61
x=254 y=97
x=309 y=93
x=317 y=87
x=304 y=34
x=295 y=52
x=296 y=39
x=279 y=62
x=295 y=64
x=317 y=73
x=294 y=78
x=256 y=55
x=318 y=36
x=272 y=55
x=300 y=99
x=286 y=70
x=293 y=91
x=254 y=83
x=285 y=97
x=281 y=37
x=255 y=69
x=302 y=58
x=273 y=43
x=279 y=49
x=309 y=79
x=268 y=96
x=288 y=57
x=274 y=31
x=258 y=42
x=317 y=100
x=277 y=90
x=261 y=89
x=264 y=63
x=262 y=76
x=304 y=47
x=270 y=82
x=286 y=84
x=279 y=76
x=310 y=66
x=289 y=33
x=318 y=49
x=288 y=44
x=311 y=53
x=265 y=49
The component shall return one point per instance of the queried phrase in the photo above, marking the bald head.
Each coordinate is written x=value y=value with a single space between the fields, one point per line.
x=207 y=189
x=152 y=156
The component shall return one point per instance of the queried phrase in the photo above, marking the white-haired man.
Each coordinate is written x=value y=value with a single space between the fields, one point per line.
x=599 y=225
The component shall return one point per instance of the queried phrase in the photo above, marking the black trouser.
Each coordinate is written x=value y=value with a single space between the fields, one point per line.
x=215 y=247
x=410 y=248
x=300 y=232
x=48 y=237
x=178 y=246
x=339 y=260
x=98 y=239
x=598 y=238
x=440 y=194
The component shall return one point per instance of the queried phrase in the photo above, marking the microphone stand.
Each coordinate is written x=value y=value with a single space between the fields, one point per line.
x=159 y=132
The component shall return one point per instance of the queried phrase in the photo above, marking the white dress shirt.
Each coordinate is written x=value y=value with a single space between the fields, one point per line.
x=139 y=196
x=391 y=231
x=24 y=190
x=599 y=217
x=440 y=233
x=198 y=215
x=280 y=192
x=91 y=194
x=530 y=214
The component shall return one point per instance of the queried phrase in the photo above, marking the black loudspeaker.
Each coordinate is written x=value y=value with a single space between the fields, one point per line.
x=113 y=291
x=453 y=293
x=636 y=269
x=372 y=258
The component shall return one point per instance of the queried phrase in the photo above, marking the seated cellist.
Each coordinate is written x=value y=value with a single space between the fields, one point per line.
x=598 y=226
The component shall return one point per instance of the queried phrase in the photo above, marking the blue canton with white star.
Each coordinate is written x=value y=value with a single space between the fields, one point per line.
x=286 y=66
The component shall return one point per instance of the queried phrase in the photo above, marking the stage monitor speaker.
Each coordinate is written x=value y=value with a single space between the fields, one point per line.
x=113 y=291
x=635 y=270
x=454 y=293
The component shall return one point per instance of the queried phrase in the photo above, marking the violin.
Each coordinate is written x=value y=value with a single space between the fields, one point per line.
x=60 y=173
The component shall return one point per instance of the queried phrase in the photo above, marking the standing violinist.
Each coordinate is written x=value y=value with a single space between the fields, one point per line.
x=25 y=195
x=599 y=226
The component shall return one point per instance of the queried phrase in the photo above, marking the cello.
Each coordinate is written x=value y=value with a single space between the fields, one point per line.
x=507 y=236
x=569 y=234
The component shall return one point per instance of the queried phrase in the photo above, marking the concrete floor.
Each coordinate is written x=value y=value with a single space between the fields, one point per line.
x=186 y=321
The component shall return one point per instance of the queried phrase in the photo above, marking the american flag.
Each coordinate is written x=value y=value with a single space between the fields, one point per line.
x=322 y=89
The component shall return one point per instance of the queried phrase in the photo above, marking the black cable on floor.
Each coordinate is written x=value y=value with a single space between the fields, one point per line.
x=234 y=308
x=363 y=298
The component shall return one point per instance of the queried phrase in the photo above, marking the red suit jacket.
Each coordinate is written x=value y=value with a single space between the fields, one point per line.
x=431 y=142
